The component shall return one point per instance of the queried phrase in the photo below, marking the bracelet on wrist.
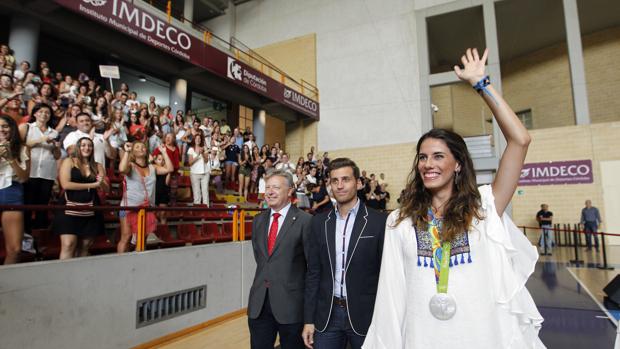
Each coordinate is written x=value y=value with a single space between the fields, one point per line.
x=481 y=88
x=482 y=84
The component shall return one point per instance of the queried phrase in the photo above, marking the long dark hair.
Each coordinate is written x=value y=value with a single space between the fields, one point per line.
x=90 y=161
x=202 y=139
x=15 y=141
x=461 y=208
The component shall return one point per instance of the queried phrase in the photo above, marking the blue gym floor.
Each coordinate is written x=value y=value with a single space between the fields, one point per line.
x=572 y=318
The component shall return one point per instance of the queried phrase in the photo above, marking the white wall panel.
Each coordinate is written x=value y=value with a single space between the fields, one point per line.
x=367 y=61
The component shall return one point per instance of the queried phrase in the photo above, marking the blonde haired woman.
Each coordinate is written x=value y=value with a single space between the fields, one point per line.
x=139 y=187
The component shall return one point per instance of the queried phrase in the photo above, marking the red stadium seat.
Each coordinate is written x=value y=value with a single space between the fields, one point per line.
x=248 y=230
x=184 y=182
x=167 y=239
x=189 y=233
x=48 y=243
x=226 y=233
x=210 y=230
x=102 y=245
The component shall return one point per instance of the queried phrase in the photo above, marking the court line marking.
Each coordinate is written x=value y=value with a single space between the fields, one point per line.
x=600 y=305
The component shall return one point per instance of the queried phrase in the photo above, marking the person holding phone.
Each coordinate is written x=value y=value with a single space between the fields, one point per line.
x=14 y=170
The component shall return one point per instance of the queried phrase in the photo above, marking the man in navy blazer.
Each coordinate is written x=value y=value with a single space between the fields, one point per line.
x=346 y=245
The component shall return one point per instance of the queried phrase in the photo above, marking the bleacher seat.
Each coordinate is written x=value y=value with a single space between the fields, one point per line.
x=248 y=230
x=163 y=232
x=226 y=232
x=48 y=243
x=210 y=230
x=189 y=233
x=102 y=245
x=184 y=182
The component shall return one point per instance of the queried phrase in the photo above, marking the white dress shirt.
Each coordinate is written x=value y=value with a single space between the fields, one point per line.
x=343 y=226
x=283 y=213
x=98 y=141
x=42 y=161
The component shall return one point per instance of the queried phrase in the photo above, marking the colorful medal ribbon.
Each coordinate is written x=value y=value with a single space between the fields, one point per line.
x=441 y=254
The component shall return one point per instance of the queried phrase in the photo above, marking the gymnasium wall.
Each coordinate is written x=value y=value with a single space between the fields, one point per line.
x=366 y=63
x=599 y=142
x=91 y=302
x=540 y=82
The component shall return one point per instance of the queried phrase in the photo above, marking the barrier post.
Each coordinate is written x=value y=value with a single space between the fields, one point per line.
x=556 y=235
x=140 y=233
x=578 y=229
x=235 y=224
x=604 y=266
x=242 y=226
x=544 y=241
x=570 y=242
x=565 y=237
x=575 y=261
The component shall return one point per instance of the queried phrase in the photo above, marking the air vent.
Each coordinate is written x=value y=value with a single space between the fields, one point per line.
x=170 y=305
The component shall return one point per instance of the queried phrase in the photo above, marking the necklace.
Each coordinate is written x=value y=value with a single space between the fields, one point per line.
x=141 y=166
x=436 y=209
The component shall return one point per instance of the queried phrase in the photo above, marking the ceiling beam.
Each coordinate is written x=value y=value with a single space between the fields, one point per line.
x=212 y=6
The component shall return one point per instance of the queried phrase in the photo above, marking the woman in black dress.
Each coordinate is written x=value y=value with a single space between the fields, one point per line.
x=162 y=188
x=80 y=176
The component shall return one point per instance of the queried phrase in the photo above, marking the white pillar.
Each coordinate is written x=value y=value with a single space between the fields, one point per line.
x=258 y=126
x=575 y=59
x=188 y=10
x=178 y=95
x=232 y=12
x=24 y=39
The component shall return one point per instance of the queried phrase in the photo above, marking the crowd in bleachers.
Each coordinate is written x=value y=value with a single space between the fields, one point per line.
x=70 y=141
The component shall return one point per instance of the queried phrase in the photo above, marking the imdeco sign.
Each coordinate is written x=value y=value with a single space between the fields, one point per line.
x=124 y=16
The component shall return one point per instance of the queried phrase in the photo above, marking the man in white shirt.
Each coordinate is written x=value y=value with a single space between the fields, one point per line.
x=251 y=142
x=285 y=165
x=84 y=127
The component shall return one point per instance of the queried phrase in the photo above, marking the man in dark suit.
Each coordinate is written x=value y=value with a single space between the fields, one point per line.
x=280 y=241
x=343 y=265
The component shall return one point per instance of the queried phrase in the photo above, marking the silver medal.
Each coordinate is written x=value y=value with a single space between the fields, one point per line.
x=442 y=306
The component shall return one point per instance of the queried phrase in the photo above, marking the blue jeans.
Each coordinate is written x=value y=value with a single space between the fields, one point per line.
x=591 y=230
x=337 y=332
x=546 y=237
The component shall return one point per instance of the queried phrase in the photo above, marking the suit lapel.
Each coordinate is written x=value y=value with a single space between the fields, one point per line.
x=330 y=239
x=289 y=220
x=263 y=232
x=358 y=228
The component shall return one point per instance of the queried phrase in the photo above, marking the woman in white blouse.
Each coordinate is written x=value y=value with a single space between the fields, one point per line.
x=199 y=169
x=42 y=140
x=454 y=266
x=14 y=170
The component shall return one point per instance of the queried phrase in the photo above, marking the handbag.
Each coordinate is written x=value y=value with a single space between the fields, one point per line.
x=80 y=213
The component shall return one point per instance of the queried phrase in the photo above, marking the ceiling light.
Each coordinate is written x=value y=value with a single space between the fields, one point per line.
x=141 y=78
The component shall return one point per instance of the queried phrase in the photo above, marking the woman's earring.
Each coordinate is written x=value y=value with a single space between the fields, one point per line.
x=456 y=177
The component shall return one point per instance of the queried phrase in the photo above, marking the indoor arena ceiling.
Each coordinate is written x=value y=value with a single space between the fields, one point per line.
x=523 y=26
x=204 y=10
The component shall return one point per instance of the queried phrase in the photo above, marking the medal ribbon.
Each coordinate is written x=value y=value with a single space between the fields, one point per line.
x=441 y=254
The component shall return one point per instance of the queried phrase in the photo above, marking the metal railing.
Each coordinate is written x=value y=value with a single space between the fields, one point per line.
x=239 y=50
x=570 y=235
x=238 y=216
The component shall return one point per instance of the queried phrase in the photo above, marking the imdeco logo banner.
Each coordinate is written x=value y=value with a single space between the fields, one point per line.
x=557 y=172
x=151 y=28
